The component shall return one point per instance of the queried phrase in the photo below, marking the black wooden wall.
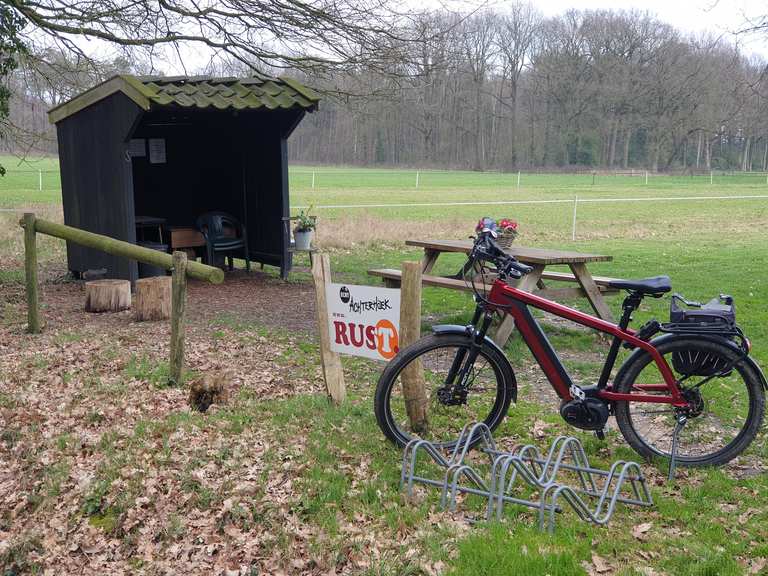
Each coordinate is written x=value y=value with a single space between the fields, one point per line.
x=96 y=180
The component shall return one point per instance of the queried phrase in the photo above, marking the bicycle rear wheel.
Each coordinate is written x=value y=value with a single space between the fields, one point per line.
x=726 y=398
x=490 y=389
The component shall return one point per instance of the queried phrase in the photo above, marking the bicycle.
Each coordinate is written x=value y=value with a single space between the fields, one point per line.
x=692 y=394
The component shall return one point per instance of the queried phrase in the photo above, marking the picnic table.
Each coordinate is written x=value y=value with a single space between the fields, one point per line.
x=590 y=287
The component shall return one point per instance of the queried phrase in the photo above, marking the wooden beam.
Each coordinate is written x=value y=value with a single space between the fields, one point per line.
x=126 y=249
x=430 y=258
x=30 y=268
x=392 y=278
x=178 y=308
x=593 y=293
x=412 y=377
x=569 y=277
x=332 y=370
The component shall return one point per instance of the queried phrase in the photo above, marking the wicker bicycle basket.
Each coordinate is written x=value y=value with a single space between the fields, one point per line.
x=506 y=237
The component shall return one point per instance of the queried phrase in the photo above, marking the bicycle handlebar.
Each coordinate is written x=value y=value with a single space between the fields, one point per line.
x=486 y=249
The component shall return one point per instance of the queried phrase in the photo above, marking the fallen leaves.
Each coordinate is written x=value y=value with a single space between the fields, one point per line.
x=600 y=564
x=640 y=531
x=539 y=429
x=757 y=565
x=598 y=567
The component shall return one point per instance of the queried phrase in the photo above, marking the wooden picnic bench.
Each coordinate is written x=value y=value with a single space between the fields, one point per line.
x=392 y=279
x=590 y=287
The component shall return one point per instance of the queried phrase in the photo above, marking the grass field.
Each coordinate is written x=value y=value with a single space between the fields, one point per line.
x=709 y=522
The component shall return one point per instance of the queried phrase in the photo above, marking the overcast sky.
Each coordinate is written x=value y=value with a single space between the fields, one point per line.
x=723 y=16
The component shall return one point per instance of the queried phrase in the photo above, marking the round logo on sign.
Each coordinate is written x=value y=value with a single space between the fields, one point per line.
x=344 y=294
x=386 y=339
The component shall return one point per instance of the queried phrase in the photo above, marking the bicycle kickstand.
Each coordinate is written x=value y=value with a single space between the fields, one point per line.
x=681 y=420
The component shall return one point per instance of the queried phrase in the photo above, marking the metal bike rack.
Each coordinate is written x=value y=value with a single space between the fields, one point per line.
x=593 y=499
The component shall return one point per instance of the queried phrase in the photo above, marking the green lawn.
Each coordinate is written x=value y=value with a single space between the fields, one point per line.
x=711 y=522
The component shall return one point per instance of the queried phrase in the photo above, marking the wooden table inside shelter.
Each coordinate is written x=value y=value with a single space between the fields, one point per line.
x=591 y=288
x=185 y=237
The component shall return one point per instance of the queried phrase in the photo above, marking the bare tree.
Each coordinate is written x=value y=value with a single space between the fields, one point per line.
x=300 y=33
x=517 y=31
x=478 y=46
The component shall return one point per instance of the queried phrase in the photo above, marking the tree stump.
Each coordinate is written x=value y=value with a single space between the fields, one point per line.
x=153 y=299
x=107 y=295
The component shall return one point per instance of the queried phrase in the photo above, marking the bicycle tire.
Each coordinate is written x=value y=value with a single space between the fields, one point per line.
x=503 y=375
x=743 y=371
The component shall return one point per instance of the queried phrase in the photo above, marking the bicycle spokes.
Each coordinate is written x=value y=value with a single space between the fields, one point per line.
x=460 y=386
x=717 y=408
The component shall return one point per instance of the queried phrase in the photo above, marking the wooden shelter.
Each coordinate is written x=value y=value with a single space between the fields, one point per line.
x=167 y=149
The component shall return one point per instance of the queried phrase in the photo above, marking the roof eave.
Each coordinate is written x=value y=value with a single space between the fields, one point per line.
x=96 y=94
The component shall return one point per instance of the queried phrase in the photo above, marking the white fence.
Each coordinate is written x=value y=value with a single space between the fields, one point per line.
x=332 y=178
x=415 y=179
x=575 y=201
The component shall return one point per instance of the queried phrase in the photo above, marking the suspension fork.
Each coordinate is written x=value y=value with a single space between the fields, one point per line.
x=465 y=359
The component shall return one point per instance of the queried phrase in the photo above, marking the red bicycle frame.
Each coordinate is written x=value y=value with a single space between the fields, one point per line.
x=505 y=298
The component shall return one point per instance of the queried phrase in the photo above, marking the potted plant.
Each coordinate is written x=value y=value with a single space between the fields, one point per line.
x=304 y=230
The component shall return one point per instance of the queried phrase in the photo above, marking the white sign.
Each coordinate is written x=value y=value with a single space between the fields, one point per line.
x=363 y=320
x=157 y=150
x=137 y=148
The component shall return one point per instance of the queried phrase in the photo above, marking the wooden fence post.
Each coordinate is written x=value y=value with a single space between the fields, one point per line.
x=30 y=267
x=332 y=370
x=412 y=377
x=178 y=305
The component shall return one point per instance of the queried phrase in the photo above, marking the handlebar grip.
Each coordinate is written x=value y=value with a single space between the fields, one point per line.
x=520 y=267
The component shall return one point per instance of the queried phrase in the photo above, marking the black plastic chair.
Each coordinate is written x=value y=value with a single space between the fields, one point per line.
x=213 y=227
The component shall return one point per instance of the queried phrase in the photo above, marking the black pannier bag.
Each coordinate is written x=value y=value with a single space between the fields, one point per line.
x=718 y=316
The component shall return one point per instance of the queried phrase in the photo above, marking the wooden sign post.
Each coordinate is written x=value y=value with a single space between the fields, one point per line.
x=332 y=370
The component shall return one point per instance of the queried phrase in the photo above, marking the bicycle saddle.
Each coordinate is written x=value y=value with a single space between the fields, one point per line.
x=653 y=285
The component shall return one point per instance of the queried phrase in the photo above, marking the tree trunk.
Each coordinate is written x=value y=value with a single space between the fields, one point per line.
x=698 y=150
x=107 y=295
x=153 y=299
x=746 y=164
x=513 y=125
x=479 y=155
x=612 y=150
x=532 y=133
x=627 y=138
x=765 y=156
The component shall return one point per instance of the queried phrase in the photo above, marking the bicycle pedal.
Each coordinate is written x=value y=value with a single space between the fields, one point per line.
x=600 y=434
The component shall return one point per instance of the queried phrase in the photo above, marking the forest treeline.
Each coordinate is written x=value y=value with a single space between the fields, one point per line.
x=508 y=89
x=501 y=89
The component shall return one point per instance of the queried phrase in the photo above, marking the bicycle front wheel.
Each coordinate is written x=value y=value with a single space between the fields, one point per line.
x=726 y=403
x=434 y=362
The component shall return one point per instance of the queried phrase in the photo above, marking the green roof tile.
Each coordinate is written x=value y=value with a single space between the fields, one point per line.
x=256 y=92
x=229 y=93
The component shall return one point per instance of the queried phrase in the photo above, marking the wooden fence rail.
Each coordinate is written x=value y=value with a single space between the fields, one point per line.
x=177 y=263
